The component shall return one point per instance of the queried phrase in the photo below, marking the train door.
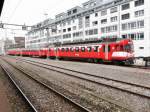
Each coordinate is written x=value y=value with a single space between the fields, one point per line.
x=56 y=52
x=106 y=50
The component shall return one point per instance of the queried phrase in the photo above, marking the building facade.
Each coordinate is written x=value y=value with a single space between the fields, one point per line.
x=1 y=47
x=7 y=44
x=97 y=19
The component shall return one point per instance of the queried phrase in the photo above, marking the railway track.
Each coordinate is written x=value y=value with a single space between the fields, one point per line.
x=19 y=89
x=132 y=88
x=77 y=105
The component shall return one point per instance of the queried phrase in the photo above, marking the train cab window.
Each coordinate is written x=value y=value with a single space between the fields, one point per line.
x=71 y=49
x=89 y=49
x=62 y=49
x=77 y=49
x=95 y=48
x=128 y=47
x=83 y=49
x=67 y=49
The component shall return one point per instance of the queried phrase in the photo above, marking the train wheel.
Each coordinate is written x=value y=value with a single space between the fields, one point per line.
x=100 y=61
x=90 y=60
x=95 y=60
x=118 y=63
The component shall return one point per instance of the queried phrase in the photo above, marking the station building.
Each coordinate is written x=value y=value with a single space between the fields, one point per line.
x=94 y=20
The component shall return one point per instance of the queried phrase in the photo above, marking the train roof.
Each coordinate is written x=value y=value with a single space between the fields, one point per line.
x=98 y=41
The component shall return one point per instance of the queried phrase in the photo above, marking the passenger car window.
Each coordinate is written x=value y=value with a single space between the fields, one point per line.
x=77 y=49
x=71 y=49
x=83 y=49
x=89 y=49
x=62 y=49
x=95 y=48
x=67 y=49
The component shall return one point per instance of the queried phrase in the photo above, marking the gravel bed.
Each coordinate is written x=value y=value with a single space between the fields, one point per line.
x=131 y=75
x=44 y=99
x=80 y=94
x=128 y=87
x=131 y=101
x=15 y=99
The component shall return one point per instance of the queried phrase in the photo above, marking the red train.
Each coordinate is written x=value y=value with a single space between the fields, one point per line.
x=114 y=50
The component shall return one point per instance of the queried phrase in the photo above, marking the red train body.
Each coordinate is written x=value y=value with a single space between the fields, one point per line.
x=109 y=50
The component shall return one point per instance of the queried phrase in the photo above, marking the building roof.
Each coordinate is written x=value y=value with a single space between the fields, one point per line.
x=1 y=6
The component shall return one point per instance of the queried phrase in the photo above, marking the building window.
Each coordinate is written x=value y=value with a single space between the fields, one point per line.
x=140 y=24
x=87 y=21
x=109 y=29
x=74 y=11
x=113 y=19
x=59 y=31
x=140 y=36
x=124 y=36
x=77 y=34
x=69 y=29
x=92 y=4
x=95 y=31
x=69 y=22
x=113 y=10
x=66 y=36
x=95 y=23
x=91 y=32
x=104 y=12
x=69 y=13
x=125 y=6
x=64 y=24
x=134 y=36
x=74 y=28
x=73 y=21
x=125 y=16
x=80 y=23
x=96 y=14
x=139 y=13
x=103 y=21
x=64 y=30
x=87 y=17
x=133 y=25
x=138 y=3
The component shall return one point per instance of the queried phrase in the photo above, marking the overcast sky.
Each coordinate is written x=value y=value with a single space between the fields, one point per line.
x=31 y=12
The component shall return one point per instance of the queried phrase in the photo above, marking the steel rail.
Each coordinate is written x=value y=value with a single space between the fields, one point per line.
x=95 y=76
x=52 y=89
x=105 y=99
x=22 y=93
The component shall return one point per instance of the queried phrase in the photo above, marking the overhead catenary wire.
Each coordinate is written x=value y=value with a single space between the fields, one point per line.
x=13 y=12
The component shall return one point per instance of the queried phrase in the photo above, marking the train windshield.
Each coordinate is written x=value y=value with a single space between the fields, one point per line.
x=128 y=47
